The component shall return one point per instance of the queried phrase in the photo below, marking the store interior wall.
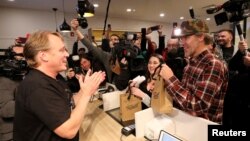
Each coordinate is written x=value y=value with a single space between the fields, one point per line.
x=19 y=22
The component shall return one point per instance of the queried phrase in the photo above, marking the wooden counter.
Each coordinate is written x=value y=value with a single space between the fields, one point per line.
x=99 y=126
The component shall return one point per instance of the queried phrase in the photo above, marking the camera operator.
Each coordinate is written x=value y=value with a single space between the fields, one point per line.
x=237 y=100
x=101 y=55
x=225 y=42
x=87 y=61
x=12 y=71
x=106 y=58
x=14 y=65
x=109 y=41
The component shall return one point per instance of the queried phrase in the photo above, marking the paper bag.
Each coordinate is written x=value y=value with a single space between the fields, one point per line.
x=129 y=105
x=116 y=67
x=161 y=101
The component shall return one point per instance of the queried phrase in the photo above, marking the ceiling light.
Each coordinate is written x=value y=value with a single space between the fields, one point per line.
x=208 y=19
x=129 y=10
x=181 y=18
x=162 y=15
x=96 y=5
x=64 y=27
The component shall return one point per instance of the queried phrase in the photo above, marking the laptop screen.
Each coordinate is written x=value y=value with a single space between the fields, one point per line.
x=165 y=136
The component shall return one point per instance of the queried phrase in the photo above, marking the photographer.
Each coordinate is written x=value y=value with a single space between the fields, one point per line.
x=106 y=58
x=75 y=52
x=86 y=62
x=102 y=56
x=109 y=41
x=152 y=46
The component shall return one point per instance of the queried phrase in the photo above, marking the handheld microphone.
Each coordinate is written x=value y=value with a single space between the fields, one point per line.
x=191 y=11
x=238 y=27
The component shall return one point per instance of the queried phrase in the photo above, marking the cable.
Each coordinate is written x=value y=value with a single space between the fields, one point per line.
x=106 y=17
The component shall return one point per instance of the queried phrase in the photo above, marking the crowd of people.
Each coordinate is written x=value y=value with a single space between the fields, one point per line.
x=205 y=77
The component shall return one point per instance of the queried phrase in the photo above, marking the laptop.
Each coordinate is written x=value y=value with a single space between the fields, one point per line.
x=165 y=136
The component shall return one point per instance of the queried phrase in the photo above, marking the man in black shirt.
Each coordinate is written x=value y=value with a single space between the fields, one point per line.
x=45 y=108
x=225 y=42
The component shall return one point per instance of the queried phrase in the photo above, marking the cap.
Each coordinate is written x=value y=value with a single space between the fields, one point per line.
x=193 y=26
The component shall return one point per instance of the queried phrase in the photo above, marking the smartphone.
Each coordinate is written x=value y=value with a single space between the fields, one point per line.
x=153 y=28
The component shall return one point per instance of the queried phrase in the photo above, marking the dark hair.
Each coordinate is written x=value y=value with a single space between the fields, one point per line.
x=86 y=56
x=115 y=35
x=227 y=30
x=161 y=60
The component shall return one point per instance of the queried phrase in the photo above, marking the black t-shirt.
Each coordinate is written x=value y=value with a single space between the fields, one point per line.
x=227 y=53
x=42 y=105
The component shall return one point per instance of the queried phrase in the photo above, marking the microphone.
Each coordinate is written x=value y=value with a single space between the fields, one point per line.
x=214 y=9
x=191 y=11
x=238 y=27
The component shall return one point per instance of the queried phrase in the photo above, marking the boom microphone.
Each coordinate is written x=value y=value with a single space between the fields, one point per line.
x=191 y=11
x=214 y=9
x=238 y=27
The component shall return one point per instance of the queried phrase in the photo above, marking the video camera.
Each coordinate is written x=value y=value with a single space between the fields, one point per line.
x=10 y=66
x=125 y=49
x=234 y=11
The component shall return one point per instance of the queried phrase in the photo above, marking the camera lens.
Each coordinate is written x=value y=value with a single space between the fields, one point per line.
x=83 y=22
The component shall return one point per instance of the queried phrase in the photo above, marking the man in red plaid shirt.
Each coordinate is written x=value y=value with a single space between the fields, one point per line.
x=203 y=87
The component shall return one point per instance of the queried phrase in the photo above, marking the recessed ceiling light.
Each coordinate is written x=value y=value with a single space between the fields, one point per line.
x=208 y=19
x=11 y=0
x=181 y=18
x=96 y=5
x=162 y=15
x=129 y=10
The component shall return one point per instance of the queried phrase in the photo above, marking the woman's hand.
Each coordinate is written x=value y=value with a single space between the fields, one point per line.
x=137 y=92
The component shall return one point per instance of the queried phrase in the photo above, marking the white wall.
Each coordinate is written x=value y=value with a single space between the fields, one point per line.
x=18 y=22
